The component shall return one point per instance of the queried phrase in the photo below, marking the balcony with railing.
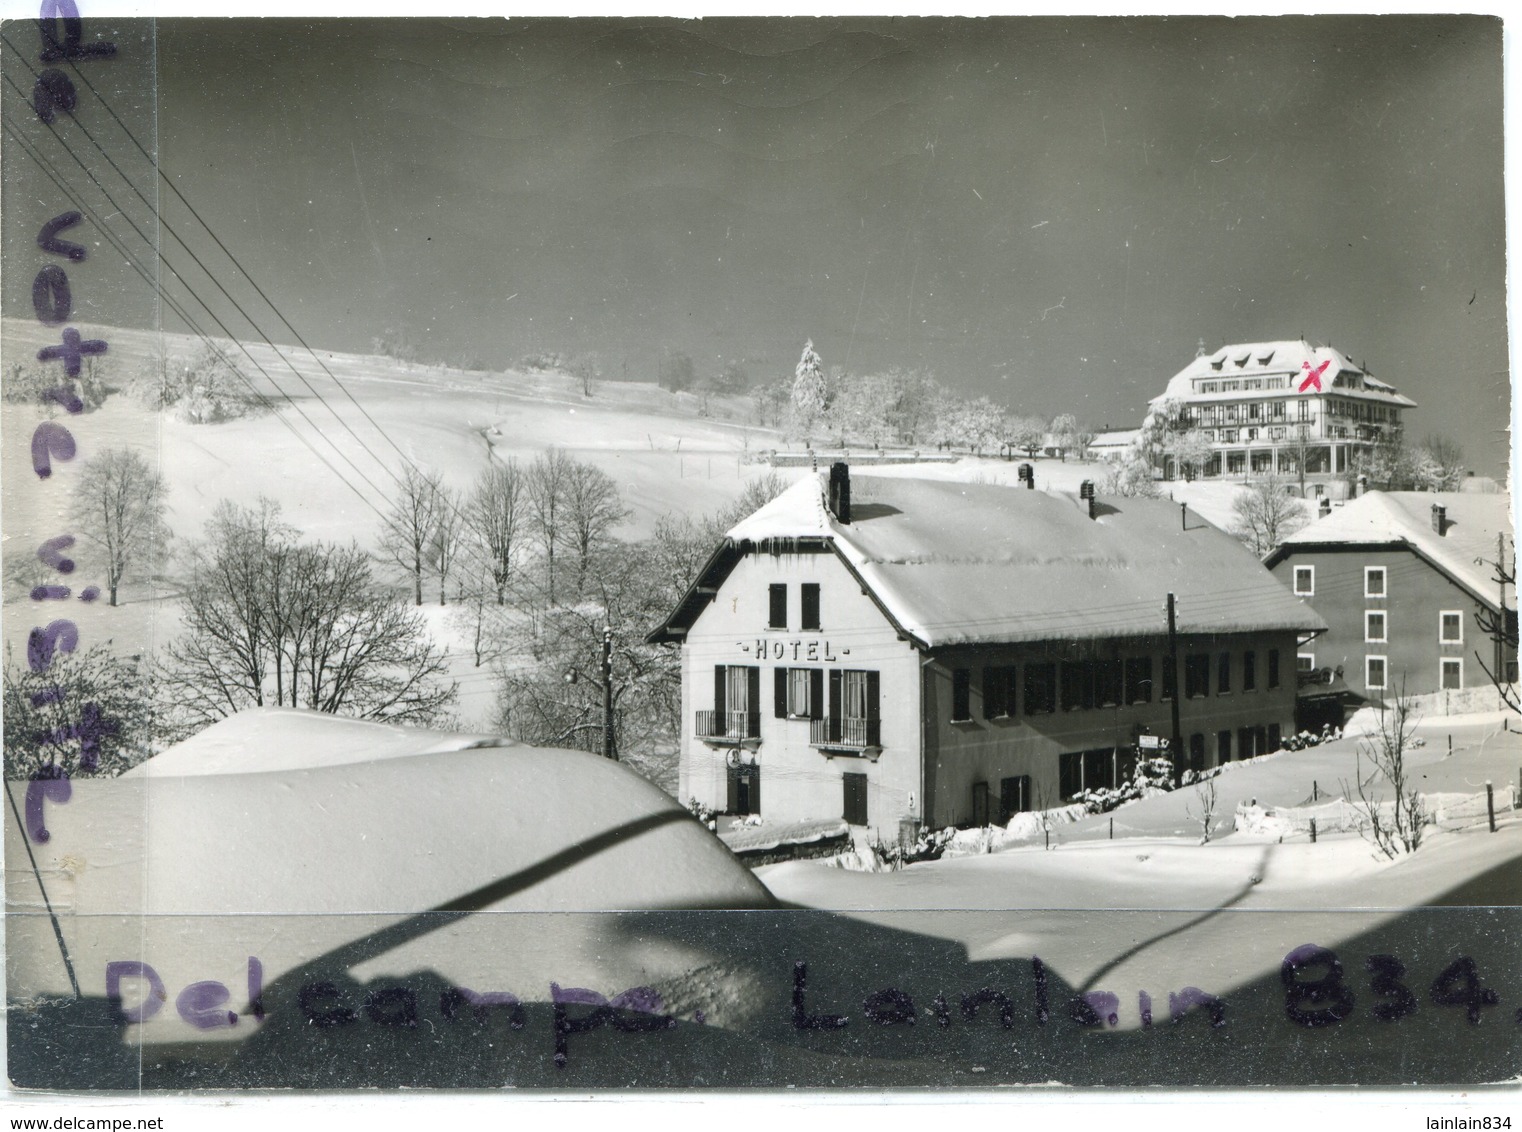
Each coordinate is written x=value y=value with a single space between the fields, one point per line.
x=847 y=735
x=726 y=728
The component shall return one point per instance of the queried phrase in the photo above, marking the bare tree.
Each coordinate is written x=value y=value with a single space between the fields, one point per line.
x=1500 y=625
x=592 y=509
x=547 y=484
x=271 y=621
x=1205 y=796
x=1265 y=513
x=496 y=515
x=444 y=545
x=119 y=506
x=1398 y=828
x=412 y=524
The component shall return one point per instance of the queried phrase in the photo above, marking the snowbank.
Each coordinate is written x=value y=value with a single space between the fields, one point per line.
x=423 y=858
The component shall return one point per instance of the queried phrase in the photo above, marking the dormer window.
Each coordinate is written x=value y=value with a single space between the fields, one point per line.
x=1266 y=358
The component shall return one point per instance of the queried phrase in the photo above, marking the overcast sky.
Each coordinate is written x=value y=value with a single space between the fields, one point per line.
x=1051 y=211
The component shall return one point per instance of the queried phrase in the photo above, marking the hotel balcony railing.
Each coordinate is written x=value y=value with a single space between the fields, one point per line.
x=845 y=733
x=728 y=726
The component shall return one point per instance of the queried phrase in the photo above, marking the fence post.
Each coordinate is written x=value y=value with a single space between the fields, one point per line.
x=1112 y=829
x=1490 y=804
x=1450 y=744
x=1315 y=791
x=1313 y=831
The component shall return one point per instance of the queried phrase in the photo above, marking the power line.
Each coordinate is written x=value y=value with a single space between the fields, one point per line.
x=56 y=178
x=207 y=272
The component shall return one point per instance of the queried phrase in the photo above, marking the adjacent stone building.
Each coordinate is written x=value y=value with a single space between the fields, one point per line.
x=1405 y=581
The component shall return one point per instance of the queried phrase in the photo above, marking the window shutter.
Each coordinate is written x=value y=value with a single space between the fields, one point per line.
x=719 y=688
x=834 y=706
x=874 y=692
x=779 y=693
x=777 y=601
x=810 y=605
x=816 y=693
x=753 y=690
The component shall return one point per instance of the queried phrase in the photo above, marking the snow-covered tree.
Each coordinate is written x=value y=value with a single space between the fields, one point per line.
x=1190 y=449
x=119 y=505
x=810 y=394
x=1027 y=434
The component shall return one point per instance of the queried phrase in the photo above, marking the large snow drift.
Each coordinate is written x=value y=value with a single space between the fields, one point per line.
x=222 y=849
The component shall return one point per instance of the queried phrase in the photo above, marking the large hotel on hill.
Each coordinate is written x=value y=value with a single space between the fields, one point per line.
x=1277 y=406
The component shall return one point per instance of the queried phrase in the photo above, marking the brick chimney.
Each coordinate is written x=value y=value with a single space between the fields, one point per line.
x=1439 y=518
x=840 y=491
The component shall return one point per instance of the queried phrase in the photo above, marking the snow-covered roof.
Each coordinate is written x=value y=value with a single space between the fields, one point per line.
x=1261 y=359
x=1463 y=551
x=957 y=564
x=276 y=739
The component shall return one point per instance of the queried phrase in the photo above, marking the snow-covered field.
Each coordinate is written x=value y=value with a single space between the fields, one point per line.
x=1167 y=909
x=666 y=458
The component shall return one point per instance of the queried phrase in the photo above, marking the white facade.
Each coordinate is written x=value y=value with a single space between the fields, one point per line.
x=801 y=772
x=1284 y=407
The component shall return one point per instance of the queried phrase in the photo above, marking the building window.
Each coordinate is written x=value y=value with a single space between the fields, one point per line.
x=1249 y=671
x=1374 y=672
x=1107 y=682
x=1223 y=747
x=810 y=592
x=1098 y=769
x=1197 y=675
x=1374 y=626
x=1273 y=668
x=1451 y=627
x=961 y=695
x=1223 y=674
x=1453 y=672
x=777 y=605
x=799 y=693
x=999 y=691
x=1014 y=796
x=1197 y=752
x=736 y=703
x=1374 y=581
x=1139 y=680
x=1305 y=580
x=1040 y=689
x=1245 y=744
x=1077 y=685
x=1170 y=678
x=1273 y=738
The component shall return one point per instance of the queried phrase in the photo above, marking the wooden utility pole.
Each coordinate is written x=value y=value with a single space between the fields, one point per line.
x=1178 y=687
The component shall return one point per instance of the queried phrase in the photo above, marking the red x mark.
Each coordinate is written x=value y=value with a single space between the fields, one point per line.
x=1315 y=375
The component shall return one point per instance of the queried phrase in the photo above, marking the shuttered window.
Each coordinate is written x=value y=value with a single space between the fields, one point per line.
x=1197 y=675
x=1077 y=685
x=777 y=605
x=1273 y=668
x=999 y=691
x=1139 y=680
x=1107 y=682
x=810 y=598
x=1040 y=689
x=1249 y=671
x=961 y=695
